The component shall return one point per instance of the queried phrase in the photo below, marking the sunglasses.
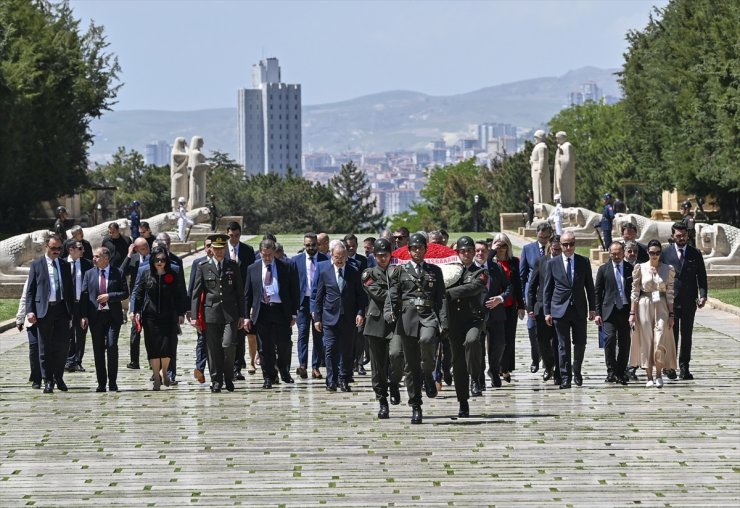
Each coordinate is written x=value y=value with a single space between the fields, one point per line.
x=160 y=260
x=398 y=237
x=55 y=249
x=567 y=244
x=654 y=252
x=310 y=244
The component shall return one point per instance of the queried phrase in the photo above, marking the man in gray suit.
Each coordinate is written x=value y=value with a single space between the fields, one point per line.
x=569 y=296
x=220 y=281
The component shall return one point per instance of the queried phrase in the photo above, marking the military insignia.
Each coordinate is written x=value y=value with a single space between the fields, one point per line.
x=483 y=276
x=367 y=277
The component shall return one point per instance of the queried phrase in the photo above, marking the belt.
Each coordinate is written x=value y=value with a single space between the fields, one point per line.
x=272 y=304
x=420 y=302
x=650 y=293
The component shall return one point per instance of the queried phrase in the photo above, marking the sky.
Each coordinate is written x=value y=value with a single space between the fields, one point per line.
x=183 y=55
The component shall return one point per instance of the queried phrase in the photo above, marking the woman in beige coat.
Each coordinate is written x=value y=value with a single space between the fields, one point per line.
x=652 y=314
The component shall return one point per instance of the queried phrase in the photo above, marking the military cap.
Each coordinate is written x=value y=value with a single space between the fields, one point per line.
x=465 y=242
x=60 y=210
x=218 y=241
x=417 y=239
x=607 y=196
x=686 y=204
x=382 y=246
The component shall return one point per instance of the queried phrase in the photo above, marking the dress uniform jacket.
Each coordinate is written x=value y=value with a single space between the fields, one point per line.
x=417 y=300
x=224 y=294
x=465 y=295
x=375 y=283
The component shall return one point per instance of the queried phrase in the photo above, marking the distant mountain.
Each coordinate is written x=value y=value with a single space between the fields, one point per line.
x=379 y=122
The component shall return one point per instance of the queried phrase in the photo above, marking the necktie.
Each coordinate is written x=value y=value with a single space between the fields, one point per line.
x=313 y=271
x=418 y=270
x=57 y=282
x=542 y=250
x=569 y=272
x=219 y=269
x=620 y=286
x=268 y=282
x=74 y=278
x=680 y=256
x=103 y=287
x=340 y=280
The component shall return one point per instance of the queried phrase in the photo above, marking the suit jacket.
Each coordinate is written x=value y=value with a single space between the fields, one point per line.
x=536 y=286
x=606 y=288
x=691 y=278
x=117 y=291
x=517 y=291
x=299 y=261
x=85 y=265
x=530 y=255
x=130 y=269
x=287 y=279
x=359 y=262
x=559 y=292
x=37 y=295
x=332 y=304
x=246 y=259
x=223 y=295
x=375 y=283
x=498 y=285
x=179 y=292
x=193 y=273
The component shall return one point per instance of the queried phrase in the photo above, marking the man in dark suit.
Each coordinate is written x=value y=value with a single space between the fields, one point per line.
x=416 y=303
x=378 y=331
x=116 y=243
x=103 y=290
x=690 y=293
x=629 y=233
x=339 y=308
x=201 y=351
x=546 y=337
x=613 y=287
x=530 y=254
x=360 y=352
x=219 y=282
x=243 y=254
x=306 y=265
x=79 y=266
x=272 y=300
x=138 y=256
x=569 y=298
x=49 y=305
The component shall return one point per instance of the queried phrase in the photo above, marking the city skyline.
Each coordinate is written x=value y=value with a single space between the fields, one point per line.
x=181 y=58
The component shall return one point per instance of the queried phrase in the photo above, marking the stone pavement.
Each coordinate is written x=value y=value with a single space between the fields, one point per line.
x=527 y=444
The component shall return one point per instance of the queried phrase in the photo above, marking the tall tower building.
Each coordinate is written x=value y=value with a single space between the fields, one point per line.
x=269 y=117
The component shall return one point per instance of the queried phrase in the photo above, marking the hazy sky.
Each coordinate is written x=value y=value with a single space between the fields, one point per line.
x=184 y=55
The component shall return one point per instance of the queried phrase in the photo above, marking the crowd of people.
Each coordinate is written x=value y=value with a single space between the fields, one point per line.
x=416 y=322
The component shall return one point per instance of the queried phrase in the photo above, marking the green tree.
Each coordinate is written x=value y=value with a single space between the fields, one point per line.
x=506 y=185
x=354 y=208
x=681 y=83
x=53 y=80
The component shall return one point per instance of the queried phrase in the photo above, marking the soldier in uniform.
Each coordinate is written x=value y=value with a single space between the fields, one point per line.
x=688 y=219
x=378 y=331
x=466 y=315
x=220 y=281
x=416 y=302
x=59 y=228
x=607 y=216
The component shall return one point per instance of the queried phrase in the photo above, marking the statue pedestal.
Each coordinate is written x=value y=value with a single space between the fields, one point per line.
x=183 y=247
x=512 y=221
x=599 y=256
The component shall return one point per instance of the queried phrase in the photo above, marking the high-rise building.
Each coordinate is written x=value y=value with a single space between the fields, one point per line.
x=503 y=135
x=157 y=153
x=269 y=118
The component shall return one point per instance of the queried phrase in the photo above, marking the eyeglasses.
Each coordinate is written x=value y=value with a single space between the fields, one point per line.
x=55 y=249
x=160 y=260
x=310 y=244
x=654 y=252
x=567 y=244
x=399 y=237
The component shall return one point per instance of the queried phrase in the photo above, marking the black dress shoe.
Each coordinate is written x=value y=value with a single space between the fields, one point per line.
x=430 y=387
x=350 y=379
x=36 y=386
x=547 y=375
x=534 y=367
x=79 y=368
x=216 y=387
x=671 y=373
x=565 y=386
x=361 y=370
x=495 y=381
x=267 y=384
x=301 y=372
x=685 y=374
x=578 y=379
x=475 y=390
x=557 y=380
x=507 y=377
x=464 y=411
x=447 y=377
x=331 y=388
x=113 y=387
x=482 y=384
x=132 y=365
x=48 y=387
x=610 y=379
x=395 y=394
x=229 y=385
x=238 y=375
x=62 y=385
x=344 y=386
x=100 y=388
x=623 y=379
x=416 y=415
x=632 y=373
x=383 y=412
x=287 y=378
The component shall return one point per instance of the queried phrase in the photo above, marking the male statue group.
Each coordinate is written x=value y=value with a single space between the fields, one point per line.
x=188 y=168
x=564 y=183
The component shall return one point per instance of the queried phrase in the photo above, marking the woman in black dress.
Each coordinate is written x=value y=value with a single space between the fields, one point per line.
x=158 y=297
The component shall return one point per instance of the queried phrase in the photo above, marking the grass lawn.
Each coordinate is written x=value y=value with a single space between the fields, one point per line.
x=728 y=296
x=8 y=309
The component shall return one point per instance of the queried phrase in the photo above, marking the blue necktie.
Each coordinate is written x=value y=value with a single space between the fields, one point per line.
x=569 y=272
x=620 y=286
x=340 y=280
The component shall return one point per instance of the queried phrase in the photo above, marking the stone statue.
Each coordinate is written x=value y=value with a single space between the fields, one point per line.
x=564 y=171
x=581 y=221
x=197 y=168
x=723 y=243
x=540 y=169
x=178 y=172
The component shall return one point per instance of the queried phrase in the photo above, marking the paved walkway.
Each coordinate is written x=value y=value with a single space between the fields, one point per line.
x=527 y=444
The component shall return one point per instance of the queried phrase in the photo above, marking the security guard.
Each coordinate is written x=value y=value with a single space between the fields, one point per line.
x=466 y=315
x=607 y=216
x=219 y=281
x=416 y=302
x=378 y=331
x=689 y=221
x=59 y=227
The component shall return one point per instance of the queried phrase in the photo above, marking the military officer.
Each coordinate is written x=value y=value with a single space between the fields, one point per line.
x=466 y=319
x=378 y=331
x=416 y=302
x=220 y=281
x=688 y=219
x=607 y=216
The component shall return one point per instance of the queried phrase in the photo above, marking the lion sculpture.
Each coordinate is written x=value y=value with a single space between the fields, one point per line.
x=580 y=221
x=647 y=229
x=723 y=243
